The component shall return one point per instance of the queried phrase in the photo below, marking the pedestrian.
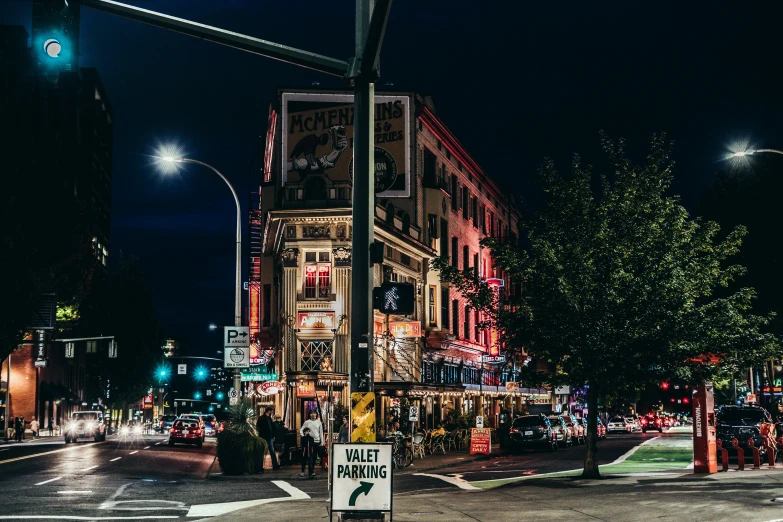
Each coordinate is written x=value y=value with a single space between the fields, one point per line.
x=34 y=427
x=51 y=425
x=280 y=438
x=316 y=431
x=266 y=430
x=19 y=427
x=438 y=431
x=309 y=451
x=344 y=435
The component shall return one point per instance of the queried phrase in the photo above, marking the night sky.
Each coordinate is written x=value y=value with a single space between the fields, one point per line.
x=515 y=84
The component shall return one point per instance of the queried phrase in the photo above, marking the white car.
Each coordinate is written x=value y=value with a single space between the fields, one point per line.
x=617 y=424
x=85 y=424
x=632 y=424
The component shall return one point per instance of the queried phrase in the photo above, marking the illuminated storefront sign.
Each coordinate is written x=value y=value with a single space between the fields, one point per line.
x=305 y=389
x=269 y=388
x=315 y=321
x=405 y=329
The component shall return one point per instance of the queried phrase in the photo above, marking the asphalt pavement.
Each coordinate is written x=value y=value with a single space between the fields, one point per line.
x=145 y=479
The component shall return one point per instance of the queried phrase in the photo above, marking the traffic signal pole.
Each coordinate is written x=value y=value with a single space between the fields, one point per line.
x=362 y=71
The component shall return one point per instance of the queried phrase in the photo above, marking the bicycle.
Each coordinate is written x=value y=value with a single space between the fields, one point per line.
x=402 y=454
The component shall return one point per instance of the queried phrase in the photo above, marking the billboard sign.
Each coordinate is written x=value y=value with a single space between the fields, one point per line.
x=317 y=140
x=315 y=321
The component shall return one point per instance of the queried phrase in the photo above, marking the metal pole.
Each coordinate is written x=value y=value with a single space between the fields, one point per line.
x=7 y=396
x=362 y=217
x=238 y=274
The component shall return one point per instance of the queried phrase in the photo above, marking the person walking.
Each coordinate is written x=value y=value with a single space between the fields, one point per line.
x=19 y=427
x=316 y=431
x=280 y=432
x=309 y=451
x=34 y=427
x=266 y=430
x=345 y=432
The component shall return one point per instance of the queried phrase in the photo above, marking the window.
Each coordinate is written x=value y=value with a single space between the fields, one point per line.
x=476 y=262
x=491 y=224
x=467 y=323
x=465 y=257
x=450 y=374
x=267 y=317
x=444 y=238
x=431 y=299
x=92 y=346
x=432 y=229
x=316 y=355
x=476 y=320
x=474 y=209
x=483 y=218
x=454 y=193
x=317 y=275
x=454 y=253
x=465 y=204
x=455 y=317
x=430 y=169
x=444 y=307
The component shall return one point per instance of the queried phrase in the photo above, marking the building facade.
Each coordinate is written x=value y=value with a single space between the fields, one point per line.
x=432 y=199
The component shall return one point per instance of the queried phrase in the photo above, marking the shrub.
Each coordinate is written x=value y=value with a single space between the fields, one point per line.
x=239 y=448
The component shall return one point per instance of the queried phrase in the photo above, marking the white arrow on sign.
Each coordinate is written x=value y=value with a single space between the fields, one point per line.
x=236 y=336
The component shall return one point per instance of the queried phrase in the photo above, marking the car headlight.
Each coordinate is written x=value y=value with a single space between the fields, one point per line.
x=89 y=426
x=137 y=430
x=70 y=427
x=124 y=430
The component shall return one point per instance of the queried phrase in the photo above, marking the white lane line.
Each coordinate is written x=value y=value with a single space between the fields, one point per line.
x=132 y=452
x=146 y=447
x=49 y=453
x=157 y=443
x=48 y=481
x=460 y=483
x=74 y=492
x=91 y=467
x=118 y=458
x=71 y=517
x=211 y=510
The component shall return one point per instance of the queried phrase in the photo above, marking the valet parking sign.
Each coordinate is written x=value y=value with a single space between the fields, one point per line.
x=362 y=477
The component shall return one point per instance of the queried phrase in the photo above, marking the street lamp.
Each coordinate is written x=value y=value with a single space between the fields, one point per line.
x=750 y=152
x=169 y=160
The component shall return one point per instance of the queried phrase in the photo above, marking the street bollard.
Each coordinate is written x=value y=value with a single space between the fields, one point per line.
x=724 y=454
x=740 y=454
x=771 y=455
x=756 y=456
x=780 y=444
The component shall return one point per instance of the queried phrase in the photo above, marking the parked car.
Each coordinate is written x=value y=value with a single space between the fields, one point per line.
x=652 y=422
x=531 y=431
x=578 y=434
x=600 y=428
x=197 y=418
x=742 y=423
x=632 y=423
x=187 y=431
x=210 y=425
x=617 y=424
x=85 y=424
x=562 y=433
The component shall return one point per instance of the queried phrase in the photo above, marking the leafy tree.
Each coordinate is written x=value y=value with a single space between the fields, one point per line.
x=618 y=286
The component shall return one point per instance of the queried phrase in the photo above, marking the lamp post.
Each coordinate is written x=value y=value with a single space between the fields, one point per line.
x=750 y=152
x=169 y=161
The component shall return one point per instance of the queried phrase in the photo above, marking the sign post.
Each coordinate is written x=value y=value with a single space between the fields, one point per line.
x=361 y=478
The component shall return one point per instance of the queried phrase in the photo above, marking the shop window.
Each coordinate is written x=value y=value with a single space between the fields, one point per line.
x=432 y=305
x=317 y=275
x=316 y=355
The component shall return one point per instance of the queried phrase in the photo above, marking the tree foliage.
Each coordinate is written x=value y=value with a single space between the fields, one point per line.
x=619 y=285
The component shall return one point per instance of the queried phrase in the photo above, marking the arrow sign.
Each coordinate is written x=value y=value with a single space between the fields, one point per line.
x=236 y=336
x=364 y=487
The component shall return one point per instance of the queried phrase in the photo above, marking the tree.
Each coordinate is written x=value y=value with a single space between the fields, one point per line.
x=619 y=285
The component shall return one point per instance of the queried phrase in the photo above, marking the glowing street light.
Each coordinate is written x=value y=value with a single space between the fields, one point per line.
x=201 y=373
x=213 y=326
x=750 y=152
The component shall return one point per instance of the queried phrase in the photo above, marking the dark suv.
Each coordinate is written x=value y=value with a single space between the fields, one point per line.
x=531 y=431
x=742 y=423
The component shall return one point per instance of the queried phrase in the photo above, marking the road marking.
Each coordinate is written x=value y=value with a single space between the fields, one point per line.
x=74 y=492
x=65 y=517
x=146 y=447
x=157 y=443
x=631 y=451
x=49 y=453
x=48 y=481
x=211 y=510
x=91 y=467
x=132 y=452
x=118 y=458
x=460 y=483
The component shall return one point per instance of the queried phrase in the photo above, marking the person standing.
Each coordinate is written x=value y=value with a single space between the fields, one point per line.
x=34 y=427
x=313 y=424
x=280 y=436
x=266 y=430
x=345 y=432
x=309 y=451
x=19 y=427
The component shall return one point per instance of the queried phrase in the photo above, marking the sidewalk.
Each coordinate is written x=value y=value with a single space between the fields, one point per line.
x=672 y=496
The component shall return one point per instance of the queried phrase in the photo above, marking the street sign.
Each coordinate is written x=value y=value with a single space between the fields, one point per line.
x=209 y=393
x=236 y=336
x=479 y=421
x=493 y=358
x=258 y=377
x=236 y=357
x=362 y=477
x=233 y=394
x=480 y=441
x=233 y=401
x=176 y=404
x=413 y=414
x=182 y=369
x=113 y=349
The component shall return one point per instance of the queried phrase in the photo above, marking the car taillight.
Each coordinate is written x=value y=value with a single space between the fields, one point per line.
x=172 y=430
x=513 y=430
x=197 y=431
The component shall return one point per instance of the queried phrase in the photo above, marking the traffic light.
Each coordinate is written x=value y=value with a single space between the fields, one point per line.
x=197 y=395
x=394 y=298
x=55 y=37
x=664 y=386
x=219 y=396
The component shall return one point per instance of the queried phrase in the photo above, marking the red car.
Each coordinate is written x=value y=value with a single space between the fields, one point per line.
x=652 y=422
x=186 y=431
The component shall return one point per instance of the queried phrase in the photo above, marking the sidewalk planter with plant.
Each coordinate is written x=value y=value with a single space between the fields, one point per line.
x=239 y=448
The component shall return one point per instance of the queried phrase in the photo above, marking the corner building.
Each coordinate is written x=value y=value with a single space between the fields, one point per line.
x=432 y=199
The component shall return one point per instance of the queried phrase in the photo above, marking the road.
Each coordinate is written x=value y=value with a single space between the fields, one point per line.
x=145 y=479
